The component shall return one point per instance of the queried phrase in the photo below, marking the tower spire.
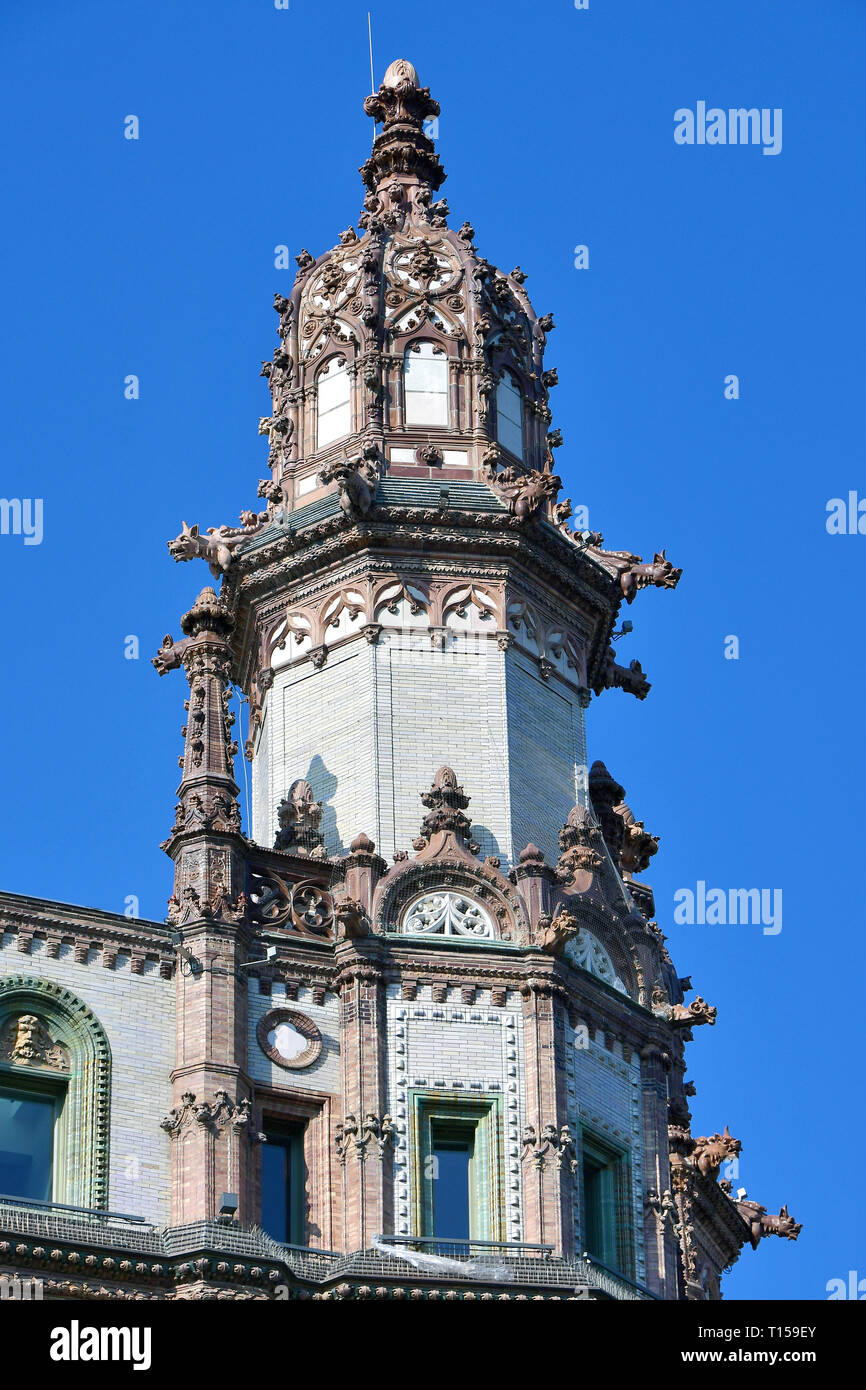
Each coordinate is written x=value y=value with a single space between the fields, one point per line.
x=402 y=150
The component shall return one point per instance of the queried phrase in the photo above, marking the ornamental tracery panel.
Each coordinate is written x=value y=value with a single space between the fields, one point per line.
x=447 y=913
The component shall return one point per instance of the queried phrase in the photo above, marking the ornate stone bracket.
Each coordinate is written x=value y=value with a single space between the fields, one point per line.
x=218 y=1116
x=358 y=1142
x=553 y=1148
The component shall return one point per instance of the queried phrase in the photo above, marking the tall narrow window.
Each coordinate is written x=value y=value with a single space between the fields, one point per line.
x=425 y=385
x=27 y=1124
x=334 y=417
x=606 y=1208
x=457 y=1167
x=453 y=1152
x=509 y=415
x=284 y=1184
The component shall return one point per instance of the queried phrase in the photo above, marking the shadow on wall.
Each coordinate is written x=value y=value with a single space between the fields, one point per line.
x=486 y=841
x=324 y=785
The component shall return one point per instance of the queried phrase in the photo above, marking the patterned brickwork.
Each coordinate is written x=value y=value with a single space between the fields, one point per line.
x=466 y=1050
x=137 y=1012
x=604 y=1097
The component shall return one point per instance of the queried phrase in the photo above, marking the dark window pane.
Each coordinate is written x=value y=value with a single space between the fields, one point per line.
x=276 y=1176
x=26 y=1145
x=283 y=1186
x=593 y=1191
x=451 y=1189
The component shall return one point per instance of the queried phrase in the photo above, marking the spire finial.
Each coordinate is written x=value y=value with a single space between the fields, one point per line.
x=402 y=148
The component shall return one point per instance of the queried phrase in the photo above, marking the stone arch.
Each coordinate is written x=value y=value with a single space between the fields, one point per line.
x=484 y=886
x=74 y=1027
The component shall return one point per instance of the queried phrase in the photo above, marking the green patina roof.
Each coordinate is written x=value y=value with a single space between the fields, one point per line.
x=466 y=496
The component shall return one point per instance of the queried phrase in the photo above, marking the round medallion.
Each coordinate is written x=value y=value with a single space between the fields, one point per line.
x=289 y=1039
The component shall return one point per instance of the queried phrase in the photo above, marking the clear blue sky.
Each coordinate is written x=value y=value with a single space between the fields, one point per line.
x=156 y=258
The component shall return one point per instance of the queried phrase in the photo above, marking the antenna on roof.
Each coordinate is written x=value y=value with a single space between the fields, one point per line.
x=372 y=78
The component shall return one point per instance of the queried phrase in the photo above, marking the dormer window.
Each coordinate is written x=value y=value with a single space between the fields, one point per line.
x=509 y=415
x=334 y=416
x=425 y=384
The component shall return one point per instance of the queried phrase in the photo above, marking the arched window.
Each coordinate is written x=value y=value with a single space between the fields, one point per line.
x=446 y=914
x=586 y=950
x=509 y=415
x=55 y=1090
x=334 y=418
x=425 y=384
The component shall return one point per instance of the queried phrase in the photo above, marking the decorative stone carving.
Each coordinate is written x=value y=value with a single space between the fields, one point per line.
x=709 y=1153
x=580 y=841
x=587 y=952
x=218 y=544
x=638 y=846
x=356 y=479
x=447 y=802
x=351 y=919
x=629 y=678
x=525 y=491
x=358 y=1142
x=289 y=1039
x=634 y=573
x=554 y=933
x=553 y=1148
x=219 y=1115
x=274 y=902
x=689 y=1015
x=299 y=815
x=447 y=914
x=663 y=1208
x=26 y=1041
x=762 y=1223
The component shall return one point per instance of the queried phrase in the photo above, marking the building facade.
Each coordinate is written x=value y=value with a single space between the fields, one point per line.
x=417 y=1035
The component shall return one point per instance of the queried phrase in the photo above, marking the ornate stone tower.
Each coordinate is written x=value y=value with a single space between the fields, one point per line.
x=426 y=1018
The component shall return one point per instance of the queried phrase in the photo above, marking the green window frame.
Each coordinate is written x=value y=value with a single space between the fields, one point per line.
x=442 y=1118
x=607 y=1210
x=19 y=1083
x=81 y=1155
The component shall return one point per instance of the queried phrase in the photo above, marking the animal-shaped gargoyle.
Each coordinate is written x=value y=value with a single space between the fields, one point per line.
x=710 y=1153
x=763 y=1223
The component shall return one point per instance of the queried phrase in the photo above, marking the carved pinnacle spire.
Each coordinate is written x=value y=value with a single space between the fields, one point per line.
x=208 y=792
x=446 y=802
x=402 y=150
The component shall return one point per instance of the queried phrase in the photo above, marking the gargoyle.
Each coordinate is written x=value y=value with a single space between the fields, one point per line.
x=638 y=846
x=168 y=657
x=689 y=1015
x=762 y=1223
x=218 y=545
x=634 y=573
x=710 y=1153
x=629 y=678
x=554 y=933
x=352 y=921
x=525 y=492
x=356 y=481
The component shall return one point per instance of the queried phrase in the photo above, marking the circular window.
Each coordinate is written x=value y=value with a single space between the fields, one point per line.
x=289 y=1039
